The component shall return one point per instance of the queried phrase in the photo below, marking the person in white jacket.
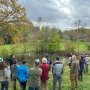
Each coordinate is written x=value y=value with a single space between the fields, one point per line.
x=5 y=75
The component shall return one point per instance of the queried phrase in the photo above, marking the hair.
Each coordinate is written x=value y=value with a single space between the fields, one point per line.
x=24 y=62
x=15 y=60
x=57 y=58
x=3 y=65
x=46 y=55
x=44 y=60
x=74 y=57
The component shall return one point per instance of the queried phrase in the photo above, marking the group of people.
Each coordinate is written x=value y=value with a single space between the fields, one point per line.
x=78 y=66
x=37 y=76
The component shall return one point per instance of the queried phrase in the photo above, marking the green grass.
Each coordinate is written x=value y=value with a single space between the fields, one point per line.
x=15 y=48
x=81 y=46
x=19 y=48
x=84 y=85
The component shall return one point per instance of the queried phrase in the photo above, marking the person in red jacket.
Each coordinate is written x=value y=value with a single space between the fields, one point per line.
x=45 y=73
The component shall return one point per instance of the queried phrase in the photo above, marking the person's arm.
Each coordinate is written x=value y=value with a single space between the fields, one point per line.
x=27 y=73
x=17 y=72
x=52 y=68
x=28 y=81
x=6 y=73
x=62 y=69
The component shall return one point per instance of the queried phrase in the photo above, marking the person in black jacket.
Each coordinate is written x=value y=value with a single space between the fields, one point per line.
x=81 y=64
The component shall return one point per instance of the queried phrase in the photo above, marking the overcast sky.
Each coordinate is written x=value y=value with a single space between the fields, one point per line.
x=61 y=13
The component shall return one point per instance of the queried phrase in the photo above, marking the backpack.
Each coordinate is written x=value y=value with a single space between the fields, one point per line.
x=23 y=73
x=14 y=71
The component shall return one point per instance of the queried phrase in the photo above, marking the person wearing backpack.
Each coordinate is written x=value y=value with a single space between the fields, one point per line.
x=14 y=68
x=49 y=62
x=23 y=74
x=81 y=69
x=57 y=72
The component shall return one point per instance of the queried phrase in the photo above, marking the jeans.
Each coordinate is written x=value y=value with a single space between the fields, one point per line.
x=14 y=84
x=81 y=75
x=34 y=88
x=5 y=85
x=23 y=85
x=57 y=78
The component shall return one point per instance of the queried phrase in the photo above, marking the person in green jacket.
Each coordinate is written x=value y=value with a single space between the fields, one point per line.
x=35 y=73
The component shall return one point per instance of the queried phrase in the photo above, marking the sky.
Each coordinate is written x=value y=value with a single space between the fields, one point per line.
x=58 y=13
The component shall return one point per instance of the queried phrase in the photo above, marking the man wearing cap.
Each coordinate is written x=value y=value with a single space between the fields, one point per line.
x=35 y=74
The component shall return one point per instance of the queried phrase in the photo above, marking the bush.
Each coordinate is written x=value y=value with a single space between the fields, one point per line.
x=88 y=47
x=4 y=53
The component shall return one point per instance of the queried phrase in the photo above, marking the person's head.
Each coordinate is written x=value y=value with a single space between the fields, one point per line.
x=57 y=59
x=24 y=62
x=15 y=61
x=74 y=57
x=37 y=62
x=86 y=55
x=46 y=55
x=13 y=56
x=3 y=65
x=44 y=60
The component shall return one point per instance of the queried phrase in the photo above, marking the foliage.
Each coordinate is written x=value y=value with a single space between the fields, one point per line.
x=69 y=46
x=81 y=34
x=1 y=41
x=4 y=53
x=88 y=47
x=12 y=18
x=54 y=44
x=49 y=40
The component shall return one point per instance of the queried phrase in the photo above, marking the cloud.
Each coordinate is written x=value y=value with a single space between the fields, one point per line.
x=58 y=12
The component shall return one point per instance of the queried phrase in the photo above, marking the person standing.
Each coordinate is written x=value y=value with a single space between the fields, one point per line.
x=81 y=69
x=48 y=59
x=45 y=74
x=23 y=74
x=57 y=72
x=35 y=74
x=14 y=68
x=10 y=60
x=4 y=76
x=74 y=72
x=86 y=62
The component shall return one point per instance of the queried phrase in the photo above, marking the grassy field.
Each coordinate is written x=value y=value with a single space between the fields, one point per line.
x=84 y=85
x=19 y=48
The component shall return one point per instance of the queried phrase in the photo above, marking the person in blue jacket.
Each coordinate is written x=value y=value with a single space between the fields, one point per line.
x=23 y=74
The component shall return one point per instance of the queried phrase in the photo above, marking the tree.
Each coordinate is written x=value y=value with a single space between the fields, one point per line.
x=54 y=45
x=44 y=39
x=12 y=18
x=49 y=40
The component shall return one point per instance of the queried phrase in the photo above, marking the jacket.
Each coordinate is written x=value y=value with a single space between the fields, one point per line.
x=23 y=73
x=57 y=68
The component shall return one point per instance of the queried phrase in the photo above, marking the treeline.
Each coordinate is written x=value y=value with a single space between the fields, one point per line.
x=16 y=28
x=81 y=34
